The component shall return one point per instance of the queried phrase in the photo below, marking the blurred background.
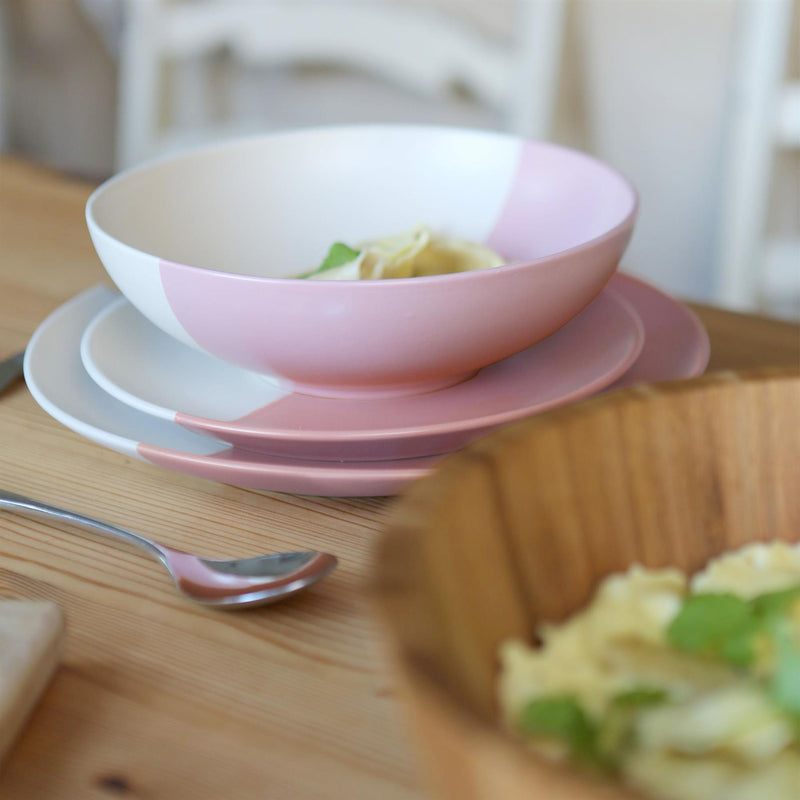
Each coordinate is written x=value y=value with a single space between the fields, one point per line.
x=696 y=101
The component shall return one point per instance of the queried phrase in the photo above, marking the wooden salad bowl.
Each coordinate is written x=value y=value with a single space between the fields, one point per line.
x=520 y=527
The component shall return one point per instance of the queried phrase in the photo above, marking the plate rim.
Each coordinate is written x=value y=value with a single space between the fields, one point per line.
x=471 y=426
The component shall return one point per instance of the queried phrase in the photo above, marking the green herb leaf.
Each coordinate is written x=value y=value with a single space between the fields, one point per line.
x=561 y=717
x=708 y=622
x=338 y=255
x=775 y=602
x=640 y=697
x=615 y=732
x=784 y=684
x=740 y=648
x=726 y=627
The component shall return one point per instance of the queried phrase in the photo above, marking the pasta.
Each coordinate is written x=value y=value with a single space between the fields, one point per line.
x=412 y=254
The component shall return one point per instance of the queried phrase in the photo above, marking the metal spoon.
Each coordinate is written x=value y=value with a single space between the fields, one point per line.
x=228 y=584
x=11 y=370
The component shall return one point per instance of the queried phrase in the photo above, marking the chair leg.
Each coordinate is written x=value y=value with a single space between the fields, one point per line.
x=761 y=52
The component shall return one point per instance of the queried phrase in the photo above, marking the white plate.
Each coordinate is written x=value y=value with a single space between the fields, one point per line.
x=676 y=347
x=59 y=383
x=134 y=361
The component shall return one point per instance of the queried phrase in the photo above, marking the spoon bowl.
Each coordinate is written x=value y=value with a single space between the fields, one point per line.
x=221 y=583
x=246 y=581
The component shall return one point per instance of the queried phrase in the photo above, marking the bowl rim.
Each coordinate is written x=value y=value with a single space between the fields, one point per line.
x=480 y=274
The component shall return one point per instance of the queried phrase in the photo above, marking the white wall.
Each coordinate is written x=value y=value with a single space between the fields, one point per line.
x=656 y=76
x=60 y=84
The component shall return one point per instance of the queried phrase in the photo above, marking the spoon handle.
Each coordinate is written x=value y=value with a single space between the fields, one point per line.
x=11 y=370
x=34 y=508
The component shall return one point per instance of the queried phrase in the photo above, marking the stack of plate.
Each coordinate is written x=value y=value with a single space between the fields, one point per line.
x=103 y=370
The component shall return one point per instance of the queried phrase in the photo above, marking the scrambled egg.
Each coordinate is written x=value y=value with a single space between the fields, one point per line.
x=686 y=689
x=754 y=570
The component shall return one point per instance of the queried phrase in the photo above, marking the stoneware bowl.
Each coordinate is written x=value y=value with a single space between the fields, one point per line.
x=520 y=527
x=205 y=245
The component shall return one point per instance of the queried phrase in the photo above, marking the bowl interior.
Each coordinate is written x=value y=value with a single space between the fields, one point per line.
x=520 y=528
x=272 y=205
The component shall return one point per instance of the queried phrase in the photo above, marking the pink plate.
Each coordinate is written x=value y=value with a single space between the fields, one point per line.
x=676 y=347
x=676 y=344
x=59 y=383
x=134 y=361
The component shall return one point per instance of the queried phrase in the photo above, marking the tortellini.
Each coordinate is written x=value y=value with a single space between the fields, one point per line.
x=413 y=254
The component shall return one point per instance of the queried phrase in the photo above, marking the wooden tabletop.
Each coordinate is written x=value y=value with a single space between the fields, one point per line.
x=159 y=699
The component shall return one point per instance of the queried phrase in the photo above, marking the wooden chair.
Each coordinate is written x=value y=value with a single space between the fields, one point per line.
x=421 y=48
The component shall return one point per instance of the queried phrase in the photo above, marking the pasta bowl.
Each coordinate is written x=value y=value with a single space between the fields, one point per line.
x=520 y=527
x=208 y=245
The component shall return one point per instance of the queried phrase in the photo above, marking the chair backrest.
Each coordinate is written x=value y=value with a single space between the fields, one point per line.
x=421 y=48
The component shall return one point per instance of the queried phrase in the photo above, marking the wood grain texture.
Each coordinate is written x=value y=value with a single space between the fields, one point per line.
x=155 y=698
x=519 y=529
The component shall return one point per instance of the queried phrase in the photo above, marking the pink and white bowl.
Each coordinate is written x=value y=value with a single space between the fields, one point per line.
x=205 y=245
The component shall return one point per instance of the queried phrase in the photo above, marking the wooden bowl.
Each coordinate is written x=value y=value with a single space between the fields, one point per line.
x=521 y=526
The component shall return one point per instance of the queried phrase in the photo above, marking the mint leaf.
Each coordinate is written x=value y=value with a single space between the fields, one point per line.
x=561 y=717
x=740 y=648
x=615 y=732
x=775 y=602
x=640 y=697
x=338 y=254
x=726 y=627
x=707 y=623
x=784 y=684
x=782 y=630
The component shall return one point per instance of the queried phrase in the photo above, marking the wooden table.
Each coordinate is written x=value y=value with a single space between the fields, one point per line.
x=156 y=698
